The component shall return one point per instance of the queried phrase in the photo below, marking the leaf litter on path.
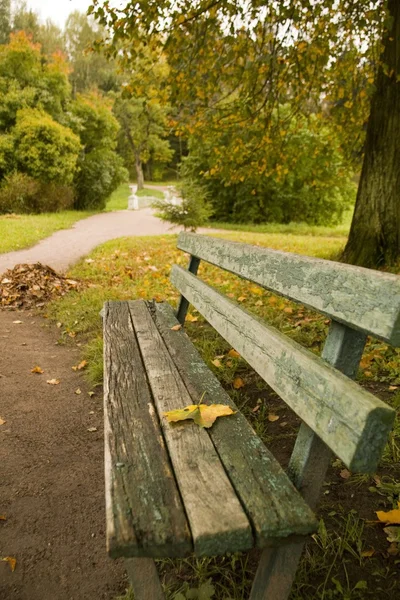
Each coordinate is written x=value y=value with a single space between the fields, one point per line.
x=28 y=286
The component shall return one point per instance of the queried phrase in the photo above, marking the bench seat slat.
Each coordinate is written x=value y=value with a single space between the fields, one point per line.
x=361 y=298
x=145 y=516
x=352 y=422
x=274 y=506
x=217 y=520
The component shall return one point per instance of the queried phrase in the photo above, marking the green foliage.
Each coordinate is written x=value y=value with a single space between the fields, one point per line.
x=302 y=179
x=44 y=149
x=20 y=193
x=100 y=170
x=5 y=20
x=89 y=69
x=6 y=154
x=192 y=209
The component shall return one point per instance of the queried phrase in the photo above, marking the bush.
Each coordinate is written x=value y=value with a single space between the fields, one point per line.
x=20 y=193
x=44 y=149
x=100 y=169
x=100 y=173
x=301 y=179
x=193 y=210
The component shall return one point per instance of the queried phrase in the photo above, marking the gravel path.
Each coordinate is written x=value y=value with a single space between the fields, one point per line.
x=65 y=247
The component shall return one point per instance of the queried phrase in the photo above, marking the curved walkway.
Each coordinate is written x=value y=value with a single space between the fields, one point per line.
x=65 y=247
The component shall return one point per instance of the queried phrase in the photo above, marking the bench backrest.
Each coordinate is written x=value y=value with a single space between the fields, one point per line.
x=353 y=423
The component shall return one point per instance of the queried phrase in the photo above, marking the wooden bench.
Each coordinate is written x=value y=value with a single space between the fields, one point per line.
x=177 y=489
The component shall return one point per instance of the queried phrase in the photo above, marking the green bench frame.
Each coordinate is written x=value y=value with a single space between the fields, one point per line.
x=165 y=484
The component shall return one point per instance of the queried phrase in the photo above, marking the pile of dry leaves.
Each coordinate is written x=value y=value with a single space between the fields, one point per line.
x=29 y=286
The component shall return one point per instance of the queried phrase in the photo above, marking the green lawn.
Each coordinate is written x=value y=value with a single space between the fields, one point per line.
x=22 y=231
x=119 y=199
x=150 y=192
x=349 y=558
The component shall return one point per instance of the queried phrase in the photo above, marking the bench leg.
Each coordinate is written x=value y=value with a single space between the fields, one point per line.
x=144 y=578
x=276 y=572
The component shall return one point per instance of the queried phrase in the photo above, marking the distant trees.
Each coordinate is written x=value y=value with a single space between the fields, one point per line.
x=54 y=151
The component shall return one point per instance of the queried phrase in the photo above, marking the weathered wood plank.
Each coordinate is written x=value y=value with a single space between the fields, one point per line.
x=144 y=578
x=216 y=517
x=308 y=465
x=274 y=506
x=352 y=422
x=145 y=516
x=362 y=298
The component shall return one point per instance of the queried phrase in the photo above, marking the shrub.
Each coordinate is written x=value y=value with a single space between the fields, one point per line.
x=20 y=193
x=193 y=209
x=44 y=149
x=100 y=172
x=100 y=169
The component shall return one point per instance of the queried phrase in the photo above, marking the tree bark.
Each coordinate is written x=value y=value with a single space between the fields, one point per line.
x=139 y=172
x=374 y=238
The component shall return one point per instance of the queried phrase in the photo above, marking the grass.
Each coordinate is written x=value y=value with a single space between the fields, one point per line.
x=22 y=231
x=150 y=192
x=119 y=199
x=339 y=230
x=337 y=562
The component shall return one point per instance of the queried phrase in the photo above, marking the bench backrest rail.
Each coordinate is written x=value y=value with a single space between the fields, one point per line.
x=364 y=299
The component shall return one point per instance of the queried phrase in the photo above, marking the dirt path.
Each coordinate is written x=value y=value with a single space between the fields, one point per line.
x=51 y=466
x=65 y=247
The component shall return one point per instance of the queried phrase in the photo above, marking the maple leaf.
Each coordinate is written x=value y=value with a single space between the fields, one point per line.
x=238 y=383
x=272 y=418
x=11 y=561
x=203 y=415
x=81 y=366
x=37 y=370
x=392 y=516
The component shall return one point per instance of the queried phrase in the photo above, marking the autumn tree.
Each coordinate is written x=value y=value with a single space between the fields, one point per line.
x=232 y=64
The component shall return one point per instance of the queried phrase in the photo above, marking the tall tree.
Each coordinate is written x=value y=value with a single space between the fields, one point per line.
x=232 y=65
x=143 y=130
x=5 y=20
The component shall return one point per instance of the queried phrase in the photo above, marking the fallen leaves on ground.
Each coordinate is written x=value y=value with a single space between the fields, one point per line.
x=345 y=474
x=191 y=318
x=78 y=391
x=17 y=322
x=53 y=381
x=238 y=383
x=217 y=363
x=272 y=418
x=92 y=429
x=81 y=366
x=28 y=286
x=2 y=421
x=203 y=415
x=3 y=518
x=233 y=353
x=11 y=561
x=38 y=370
x=391 y=517
x=393 y=534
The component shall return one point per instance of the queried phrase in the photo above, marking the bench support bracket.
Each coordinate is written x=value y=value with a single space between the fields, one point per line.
x=307 y=468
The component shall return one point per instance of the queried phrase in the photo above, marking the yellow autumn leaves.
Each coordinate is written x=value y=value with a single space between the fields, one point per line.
x=202 y=414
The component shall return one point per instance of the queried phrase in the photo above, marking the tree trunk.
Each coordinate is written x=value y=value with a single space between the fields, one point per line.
x=139 y=171
x=374 y=238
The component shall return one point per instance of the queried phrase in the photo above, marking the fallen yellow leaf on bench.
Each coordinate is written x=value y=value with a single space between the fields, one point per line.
x=202 y=414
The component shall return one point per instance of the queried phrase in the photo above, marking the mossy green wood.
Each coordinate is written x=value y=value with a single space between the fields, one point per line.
x=144 y=512
x=362 y=298
x=217 y=520
x=352 y=422
x=274 y=506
